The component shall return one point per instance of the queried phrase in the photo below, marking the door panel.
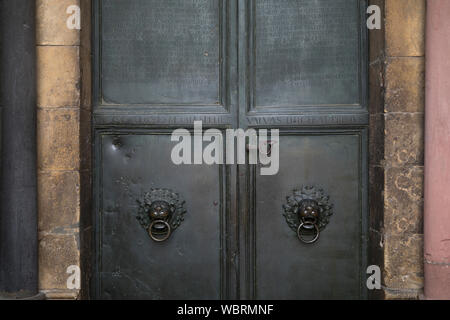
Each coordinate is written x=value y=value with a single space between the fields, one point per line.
x=329 y=269
x=131 y=265
x=160 y=65
x=306 y=75
x=306 y=52
x=161 y=52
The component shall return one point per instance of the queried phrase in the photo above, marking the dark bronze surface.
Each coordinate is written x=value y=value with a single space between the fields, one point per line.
x=300 y=66
x=160 y=52
x=306 y=53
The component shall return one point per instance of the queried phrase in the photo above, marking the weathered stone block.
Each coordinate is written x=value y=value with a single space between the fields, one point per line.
x=58 y=76
x=405 y=28
x=51 y=23
x=404 y=141
x=403 y=203
x=58 y=201
x=58 y=294
x=403 y=261
x=56 y=254
x=410 y=294
x=58 y=139
x=405 y=85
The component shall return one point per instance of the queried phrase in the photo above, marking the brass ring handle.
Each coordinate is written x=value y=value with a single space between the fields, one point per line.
x=308 y=226
x=166 y=235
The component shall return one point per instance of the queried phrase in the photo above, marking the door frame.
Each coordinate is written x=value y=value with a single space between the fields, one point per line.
x=373 y=201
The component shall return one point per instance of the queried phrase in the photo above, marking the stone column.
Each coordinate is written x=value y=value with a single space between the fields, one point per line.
x=18 y=217
x=402 y=238
x=59 y=161
x=437 y=152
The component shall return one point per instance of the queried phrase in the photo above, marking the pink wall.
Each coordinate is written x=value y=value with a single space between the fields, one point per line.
x=437 y=151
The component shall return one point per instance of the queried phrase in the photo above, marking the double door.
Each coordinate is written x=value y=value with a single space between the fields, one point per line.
x=170 y=230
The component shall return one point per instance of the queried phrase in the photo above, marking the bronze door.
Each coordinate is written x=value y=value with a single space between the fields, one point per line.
x=225 y=231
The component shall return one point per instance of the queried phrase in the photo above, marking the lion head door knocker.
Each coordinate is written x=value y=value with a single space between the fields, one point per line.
x=308 y=212
x=160 y=212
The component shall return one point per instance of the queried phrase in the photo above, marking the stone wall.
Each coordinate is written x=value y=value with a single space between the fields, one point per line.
x=397 y=147
x=63 y=145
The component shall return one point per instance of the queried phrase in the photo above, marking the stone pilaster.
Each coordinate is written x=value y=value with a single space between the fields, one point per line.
x=59 y=160
x=402 y=234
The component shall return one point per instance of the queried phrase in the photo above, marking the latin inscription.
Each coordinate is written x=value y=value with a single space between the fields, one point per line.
x=225 y=120
x=307 y=52
x=160 y=51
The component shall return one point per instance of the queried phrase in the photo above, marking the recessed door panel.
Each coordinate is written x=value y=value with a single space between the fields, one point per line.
x=161 y=51
x=287 y=268
x=306 y=53
x=130 y=264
